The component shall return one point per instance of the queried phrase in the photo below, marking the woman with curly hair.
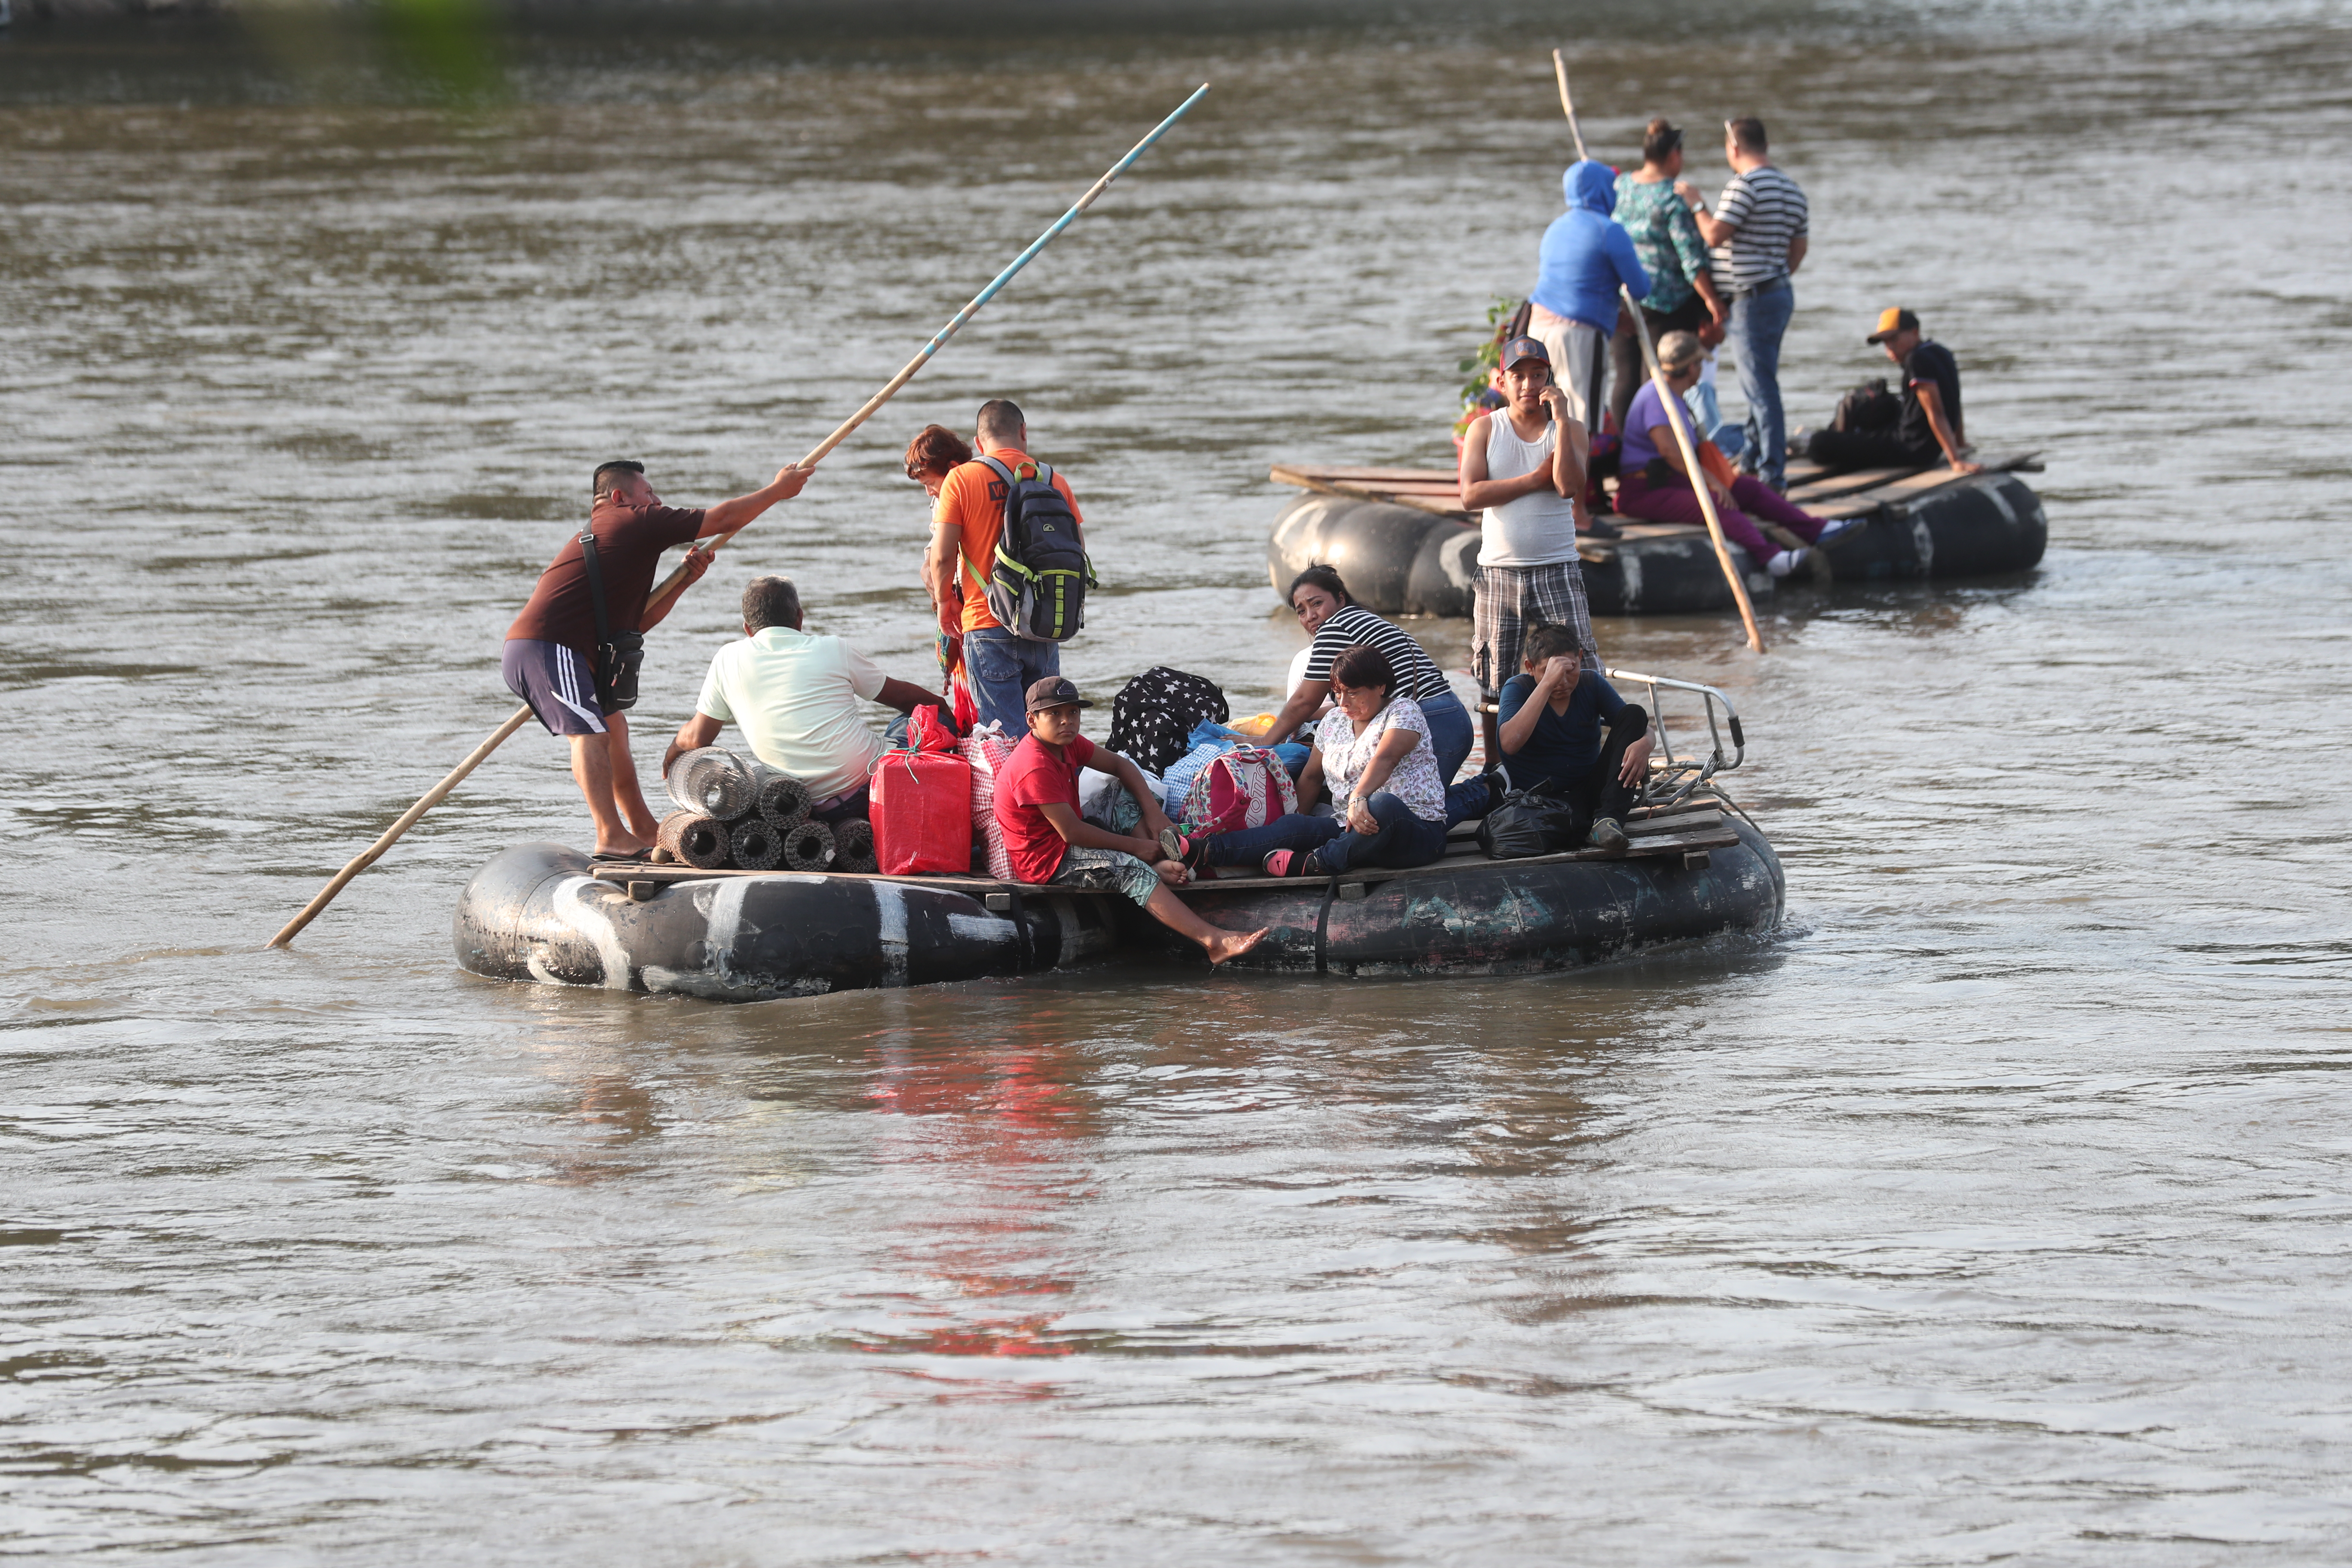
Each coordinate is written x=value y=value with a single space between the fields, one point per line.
x=930 y=455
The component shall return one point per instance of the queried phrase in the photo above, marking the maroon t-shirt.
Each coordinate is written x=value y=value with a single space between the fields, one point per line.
x=1038 y=774
x=629 y=544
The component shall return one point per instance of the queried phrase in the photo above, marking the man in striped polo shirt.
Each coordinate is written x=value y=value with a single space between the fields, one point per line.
x=1757 y=232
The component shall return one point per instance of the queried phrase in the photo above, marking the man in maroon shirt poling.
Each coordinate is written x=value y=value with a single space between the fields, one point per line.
x=551 y=651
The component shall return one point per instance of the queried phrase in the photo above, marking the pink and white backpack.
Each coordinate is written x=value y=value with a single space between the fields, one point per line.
x=1245 y=787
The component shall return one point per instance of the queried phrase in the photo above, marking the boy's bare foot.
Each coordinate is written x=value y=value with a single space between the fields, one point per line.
x=1172 y=872
x=1233 y=944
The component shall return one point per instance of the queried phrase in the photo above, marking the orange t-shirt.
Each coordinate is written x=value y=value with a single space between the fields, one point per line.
x=972 y=499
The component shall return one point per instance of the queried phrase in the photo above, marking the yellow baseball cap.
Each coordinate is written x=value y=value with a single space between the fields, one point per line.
x=1891 y=321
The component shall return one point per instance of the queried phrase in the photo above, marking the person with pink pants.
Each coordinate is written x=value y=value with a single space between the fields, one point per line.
x=1654 y=484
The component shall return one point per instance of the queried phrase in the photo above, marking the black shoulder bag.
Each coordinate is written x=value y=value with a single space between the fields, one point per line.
x=617 y=655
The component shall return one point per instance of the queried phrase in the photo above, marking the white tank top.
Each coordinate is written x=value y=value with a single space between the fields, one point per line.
x=1533 y=530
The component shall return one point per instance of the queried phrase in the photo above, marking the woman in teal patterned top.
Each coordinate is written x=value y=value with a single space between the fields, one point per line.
x=1652 y=206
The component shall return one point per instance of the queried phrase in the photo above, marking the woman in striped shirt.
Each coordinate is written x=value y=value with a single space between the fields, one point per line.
x=1338 y=622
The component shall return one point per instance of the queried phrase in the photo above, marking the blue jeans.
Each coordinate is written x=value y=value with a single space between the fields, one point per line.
x=1402 y=839
x=1467 y=801
x=1001 y=668
x=1449 y=733
x=1758 y=322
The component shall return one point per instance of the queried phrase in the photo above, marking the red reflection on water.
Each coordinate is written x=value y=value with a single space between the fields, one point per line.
x=1004 y=1120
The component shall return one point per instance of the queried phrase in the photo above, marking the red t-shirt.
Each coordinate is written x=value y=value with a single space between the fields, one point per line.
x=629 y=544
x=1038 y=774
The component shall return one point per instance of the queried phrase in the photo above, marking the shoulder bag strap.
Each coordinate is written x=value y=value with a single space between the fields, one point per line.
x=595 y=583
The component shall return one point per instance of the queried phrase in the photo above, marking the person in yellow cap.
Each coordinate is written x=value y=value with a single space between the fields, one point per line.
x=1928 y=429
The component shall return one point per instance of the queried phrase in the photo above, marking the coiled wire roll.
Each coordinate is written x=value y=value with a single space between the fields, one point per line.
x=852 y=846
x=755 y=845
x=808 y=846
x=713 y=781
x=695 y=840
x=784 y=800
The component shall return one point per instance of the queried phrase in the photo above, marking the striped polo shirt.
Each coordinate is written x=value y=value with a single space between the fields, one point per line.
x=1769 y=211
x=1417 y=676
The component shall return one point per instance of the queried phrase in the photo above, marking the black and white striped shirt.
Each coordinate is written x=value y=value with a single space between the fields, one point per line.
x=1769 y=211
x=1417 y=675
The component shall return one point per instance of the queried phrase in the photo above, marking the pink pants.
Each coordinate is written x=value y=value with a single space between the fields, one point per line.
x=1674 y=502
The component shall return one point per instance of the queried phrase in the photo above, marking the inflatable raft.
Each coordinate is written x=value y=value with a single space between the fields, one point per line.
x=545 y=912
x=1468 y=915
x=1405 y=547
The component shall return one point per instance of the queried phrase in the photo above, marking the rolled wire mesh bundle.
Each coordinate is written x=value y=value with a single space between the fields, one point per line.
x=784 y=800
x=852 y=846
x=755 y=845
x=713 y=781
x=695 y=840
x=808 y=846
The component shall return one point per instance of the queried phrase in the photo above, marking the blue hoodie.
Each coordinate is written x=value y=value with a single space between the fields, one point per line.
x=1586 y=253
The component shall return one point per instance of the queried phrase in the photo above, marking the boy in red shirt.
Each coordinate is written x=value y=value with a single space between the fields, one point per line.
x=1048 y=841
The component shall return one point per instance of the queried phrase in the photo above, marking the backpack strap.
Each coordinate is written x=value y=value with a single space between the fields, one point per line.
x=1001 y=472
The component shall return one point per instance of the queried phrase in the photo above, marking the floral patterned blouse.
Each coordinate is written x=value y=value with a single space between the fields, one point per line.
x=1347 y=754
x=1666 y=239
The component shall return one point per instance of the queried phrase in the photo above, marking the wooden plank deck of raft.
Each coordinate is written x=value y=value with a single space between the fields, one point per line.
x=1692 y=826
x=1825 y=495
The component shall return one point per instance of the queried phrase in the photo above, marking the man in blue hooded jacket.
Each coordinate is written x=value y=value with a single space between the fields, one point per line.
x=1586 y=254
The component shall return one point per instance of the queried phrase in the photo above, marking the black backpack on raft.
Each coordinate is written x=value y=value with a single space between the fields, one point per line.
x=1527 y=825
x=1037 y=588
x=1869 y=406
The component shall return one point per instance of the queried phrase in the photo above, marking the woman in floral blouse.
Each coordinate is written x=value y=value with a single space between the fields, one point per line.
x=1652 y=208
x=1389 y=805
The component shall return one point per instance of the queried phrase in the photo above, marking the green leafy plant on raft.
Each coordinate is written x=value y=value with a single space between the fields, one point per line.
x=1477 y=392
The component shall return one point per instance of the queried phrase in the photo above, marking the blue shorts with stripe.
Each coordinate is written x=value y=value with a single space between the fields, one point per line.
x=556 y=683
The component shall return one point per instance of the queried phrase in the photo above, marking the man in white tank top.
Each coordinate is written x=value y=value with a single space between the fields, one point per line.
x=1523 y=467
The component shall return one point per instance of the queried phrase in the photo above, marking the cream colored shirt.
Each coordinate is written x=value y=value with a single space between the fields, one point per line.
x=794 y=696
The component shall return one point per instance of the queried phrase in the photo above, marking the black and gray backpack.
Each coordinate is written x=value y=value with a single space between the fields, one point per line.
x=1869 y=406
x=1037 y=588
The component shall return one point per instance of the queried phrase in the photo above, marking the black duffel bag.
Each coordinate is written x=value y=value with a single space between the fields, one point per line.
x=1527 y=825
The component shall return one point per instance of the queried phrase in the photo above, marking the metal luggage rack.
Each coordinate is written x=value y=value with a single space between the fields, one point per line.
x=1674 y=779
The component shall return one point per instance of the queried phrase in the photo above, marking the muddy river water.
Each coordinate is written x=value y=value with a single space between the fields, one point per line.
x=1993 y=1210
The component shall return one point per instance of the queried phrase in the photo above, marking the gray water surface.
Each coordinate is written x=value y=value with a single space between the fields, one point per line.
x=1994 y=1210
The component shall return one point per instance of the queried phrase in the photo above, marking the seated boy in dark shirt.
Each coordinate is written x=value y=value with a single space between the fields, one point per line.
x=1929 y=426
x=1553 y=742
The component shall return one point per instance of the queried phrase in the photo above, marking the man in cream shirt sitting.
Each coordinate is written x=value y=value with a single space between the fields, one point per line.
x=794 y=695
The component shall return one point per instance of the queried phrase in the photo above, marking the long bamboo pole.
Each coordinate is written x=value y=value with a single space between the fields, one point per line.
x=431 y=798
x=1682 y=438
x=1697 y=474
x=1567 y=104
x=676 y=581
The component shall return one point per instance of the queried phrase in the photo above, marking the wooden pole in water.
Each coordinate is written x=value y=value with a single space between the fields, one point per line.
x=1697 y=474
x=1567 y=104
x=431 y=798
x=1682 y=438
x=676 y=581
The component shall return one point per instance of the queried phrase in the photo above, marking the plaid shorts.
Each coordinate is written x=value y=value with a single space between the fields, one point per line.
x=1109 y=870
x=1512 y=598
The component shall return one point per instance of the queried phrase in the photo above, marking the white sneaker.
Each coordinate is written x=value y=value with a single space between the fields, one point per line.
x=1788 y=561
x=1841 y=525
